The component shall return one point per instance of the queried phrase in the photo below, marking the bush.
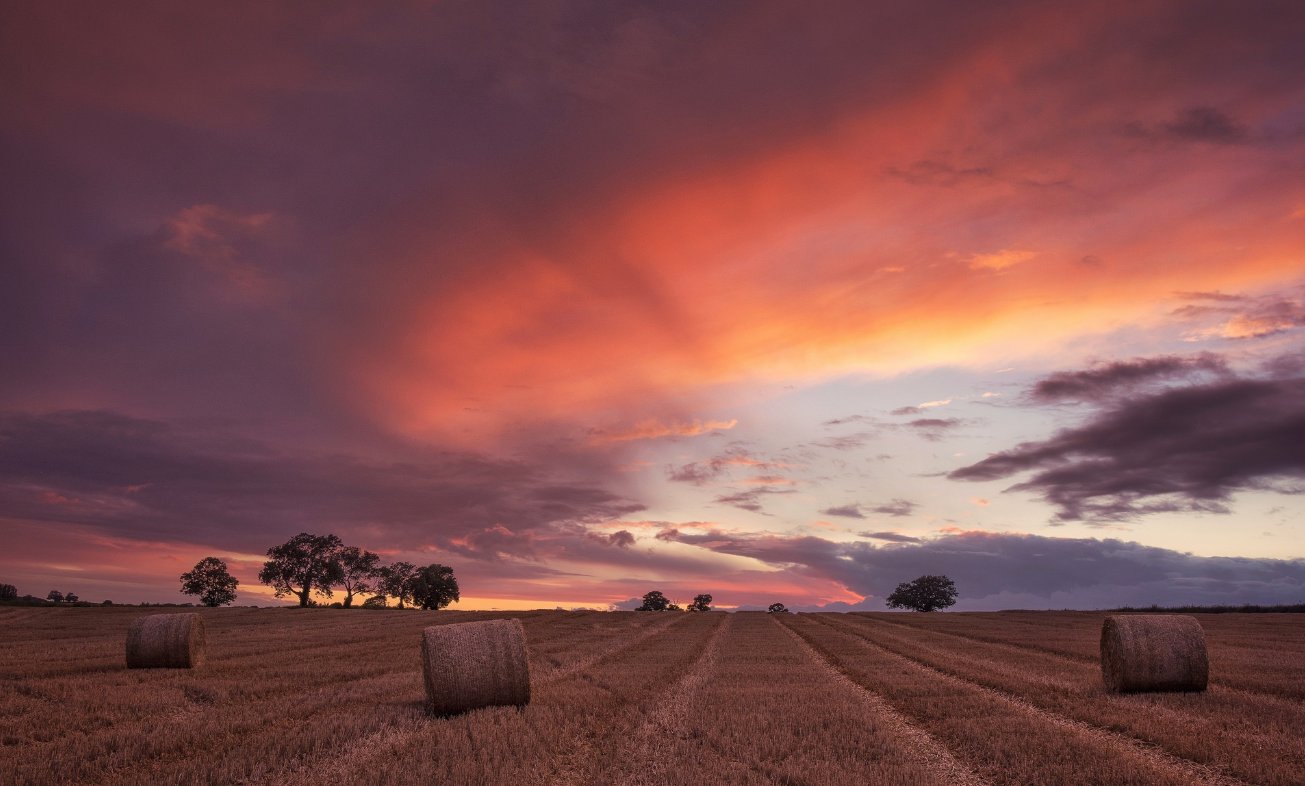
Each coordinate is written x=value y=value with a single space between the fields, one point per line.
x=8 y=592
x=375 y=602
x=777 y=608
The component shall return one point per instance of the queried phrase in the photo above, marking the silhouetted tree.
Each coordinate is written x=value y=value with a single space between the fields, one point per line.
x=701 y=603
x=374 y=602
x=927 y=593
x=397 y=581
x=71 y=597
x=656 y=601
x=8 y=592
x=777 y=608
x=210 y=580
x=55 y=595
x=359 y=570
x=303 y=565
x=434 y=587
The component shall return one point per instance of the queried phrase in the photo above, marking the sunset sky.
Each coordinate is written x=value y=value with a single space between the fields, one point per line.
x=771 y=300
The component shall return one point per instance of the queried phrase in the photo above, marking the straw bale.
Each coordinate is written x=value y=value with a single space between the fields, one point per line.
x=1153 y=652
x=170 y=641
x=475 y=664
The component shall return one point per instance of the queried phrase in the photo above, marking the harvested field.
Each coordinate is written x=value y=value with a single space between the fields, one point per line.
x=332 y=696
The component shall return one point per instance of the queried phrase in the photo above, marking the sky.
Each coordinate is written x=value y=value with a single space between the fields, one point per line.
x=586 y=299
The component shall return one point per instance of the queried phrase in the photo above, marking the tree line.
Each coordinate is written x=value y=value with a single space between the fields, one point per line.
x=310 y=565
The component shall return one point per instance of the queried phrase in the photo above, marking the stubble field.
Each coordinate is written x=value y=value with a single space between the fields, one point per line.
x=323 y=696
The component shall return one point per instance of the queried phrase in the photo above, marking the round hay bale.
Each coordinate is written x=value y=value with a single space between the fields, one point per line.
x=475 y=664
x=1153 y=652
x=168 y=641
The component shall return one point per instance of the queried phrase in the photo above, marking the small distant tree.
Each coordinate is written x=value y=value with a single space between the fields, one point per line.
x=701 y=603
x=434 y=587
x=8 y=592
x=359 y=570
x=777 y=608
x=927 y=593
x=304 y=565
x=71 y=597
x=656 y=601
x=374 y=602
x=55 y=595
x=106 y=602
x=210 y=580
x=398 y=581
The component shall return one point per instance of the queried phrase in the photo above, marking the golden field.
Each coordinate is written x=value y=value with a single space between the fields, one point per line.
x=322 y=696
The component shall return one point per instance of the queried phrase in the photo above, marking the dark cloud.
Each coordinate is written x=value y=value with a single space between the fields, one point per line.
x=933 y=429
x=1180 y=449
x=1240 y=317
x=695 y=472
x=750 y=499
x=995 y=570
x=621 y=538
x=893 y=537
x=1205 y=124
x=906 y=411
x=852 y=511
x=896 y=508
x=702 y=472
x=846 y=441
x=849 y=419
x=1123 y=377
x=153 y=479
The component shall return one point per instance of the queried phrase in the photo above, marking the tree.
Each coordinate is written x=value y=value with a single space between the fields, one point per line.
x=656 y=601
x=359 y=570
x=374 y=602
x=8 y=592
x=397 y=581
x=927 y=593
x=55 y=595
x=303 y=565
x=210 y=580
x=71 y=597
x=434 y=587
x=777 y=608
x=701 y=603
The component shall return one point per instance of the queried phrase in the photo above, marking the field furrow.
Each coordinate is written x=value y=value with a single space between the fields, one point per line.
x=998 y=738
x=1245 y=724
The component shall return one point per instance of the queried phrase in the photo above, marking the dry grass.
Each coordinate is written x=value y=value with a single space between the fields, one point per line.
x=292 y=696
x=470 y=665
x=1153 y=652
x=167 y=641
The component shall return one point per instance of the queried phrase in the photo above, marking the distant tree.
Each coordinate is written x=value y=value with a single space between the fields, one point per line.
x=55 y=595
x=106 y=602
x=701 y=603
x=397 y=581
x=304 y=565
x=8 y=592
x=777 y=608
x=374 y=602
x=71 y=597
x=656 y=601
x=927 y=593
x=210 y=580
x=359 y=570
x=434 y=587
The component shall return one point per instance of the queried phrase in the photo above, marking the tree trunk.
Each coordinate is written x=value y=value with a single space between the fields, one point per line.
x=303 y=596
x=348 y=600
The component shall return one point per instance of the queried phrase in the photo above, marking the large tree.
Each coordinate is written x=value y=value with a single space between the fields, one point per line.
x=303 y=565
x=359 y=569
x=434 y=587
x=701 y=603
x=8 y=592
x=927 y=593
x=656 y=601
x=397 y=581
x=210 y=580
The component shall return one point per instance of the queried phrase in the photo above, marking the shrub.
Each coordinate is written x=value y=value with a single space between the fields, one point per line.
x=777 y=608
x=8 y=592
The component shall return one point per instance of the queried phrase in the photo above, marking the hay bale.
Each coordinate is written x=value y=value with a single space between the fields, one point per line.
x=169 y=641
x=475 y=664
x=1153 y=652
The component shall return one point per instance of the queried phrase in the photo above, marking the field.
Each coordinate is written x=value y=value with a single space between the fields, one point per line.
x=321 y=696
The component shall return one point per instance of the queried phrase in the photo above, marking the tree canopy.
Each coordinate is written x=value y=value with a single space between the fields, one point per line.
x=434 y=587
x=397 y=581
x=656 y=601
x=359 y=571
x=927 y=593
x=304 y=565
x=210 y=580
x=777 y=608
x=701 y=603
